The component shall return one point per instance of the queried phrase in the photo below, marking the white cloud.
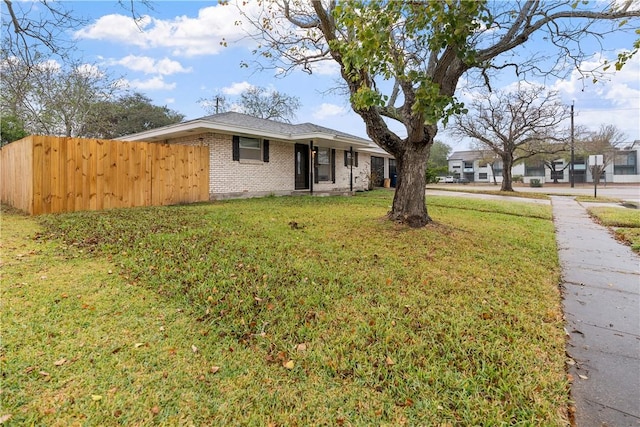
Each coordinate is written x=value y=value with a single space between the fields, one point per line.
x=148 y=65
x=614 y=99
x=120 y=29
x=154 y=83
x=170 y=101
x=187 y=36
x=236 y=88
x=328 y=110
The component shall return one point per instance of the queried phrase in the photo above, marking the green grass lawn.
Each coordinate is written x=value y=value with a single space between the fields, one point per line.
x=283 y=311
x=624 y=222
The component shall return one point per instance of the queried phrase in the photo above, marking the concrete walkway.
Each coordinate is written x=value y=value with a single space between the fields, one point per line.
x=601 y=283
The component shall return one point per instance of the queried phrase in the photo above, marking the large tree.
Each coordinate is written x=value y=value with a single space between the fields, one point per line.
x=516 y=125
x=128 y=114
x=258 y=102
x=51 y=98
x=402 y=60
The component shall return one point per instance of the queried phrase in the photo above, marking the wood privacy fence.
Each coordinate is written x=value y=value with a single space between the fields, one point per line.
x=46 y=174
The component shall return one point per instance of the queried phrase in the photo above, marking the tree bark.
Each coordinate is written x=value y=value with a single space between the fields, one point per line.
x=507 y=179
x=409 y=205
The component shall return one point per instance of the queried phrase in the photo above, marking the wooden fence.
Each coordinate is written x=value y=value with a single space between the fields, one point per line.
x=45 y=174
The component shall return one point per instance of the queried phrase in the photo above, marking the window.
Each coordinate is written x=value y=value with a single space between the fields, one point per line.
x=624 y=163
x=534 y=169
x=250 y=148
x=246 y=148
x=348 y=161
x=323 y=164
x=557 y=174
x=482 y=175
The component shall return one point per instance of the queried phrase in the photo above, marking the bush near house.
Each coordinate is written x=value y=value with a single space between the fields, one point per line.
x=284 y=311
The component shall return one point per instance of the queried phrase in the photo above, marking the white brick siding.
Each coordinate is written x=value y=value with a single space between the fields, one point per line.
x=229 y=178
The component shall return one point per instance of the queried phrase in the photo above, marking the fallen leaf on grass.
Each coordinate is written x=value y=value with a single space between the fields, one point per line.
x=584 y=377
x=214 y=369
x=194 y=348
x=44 y=373
x=301 y=347
x=96 y=397
x=155 y=410
x=389 y=361
x=289 y=365
x=60 y=362
x=5 y=418
x=139 y=344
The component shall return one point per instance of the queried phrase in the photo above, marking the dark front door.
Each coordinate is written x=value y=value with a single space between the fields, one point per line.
x=302 y=166
x=377 y=171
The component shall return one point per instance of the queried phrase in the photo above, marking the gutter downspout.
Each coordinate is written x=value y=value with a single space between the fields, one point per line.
x=311 y=166
x=351 y=169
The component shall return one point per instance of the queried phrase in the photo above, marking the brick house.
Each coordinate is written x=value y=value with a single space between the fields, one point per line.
x=252 y=157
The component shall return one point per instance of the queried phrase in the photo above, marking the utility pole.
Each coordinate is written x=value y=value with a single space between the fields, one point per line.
x=572 y=177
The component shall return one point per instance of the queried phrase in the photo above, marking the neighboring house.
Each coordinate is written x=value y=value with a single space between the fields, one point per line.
x=482 y=165
x=251 y=157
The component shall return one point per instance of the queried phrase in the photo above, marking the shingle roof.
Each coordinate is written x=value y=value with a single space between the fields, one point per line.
x=256 y=123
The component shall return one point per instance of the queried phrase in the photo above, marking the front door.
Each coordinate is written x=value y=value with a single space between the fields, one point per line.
x=377 y=171
x=302 y=166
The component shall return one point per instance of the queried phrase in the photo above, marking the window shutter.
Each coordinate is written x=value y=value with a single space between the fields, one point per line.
x=333 y=165
x=356 y=154
x=265 y=151
x=236 y=148
x=346 y=158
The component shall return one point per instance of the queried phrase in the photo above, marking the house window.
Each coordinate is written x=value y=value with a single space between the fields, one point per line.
x=246 y=148
x=250 y=148
x=323 y=164
x=557 y=174
x=482 y=175
x=348 y=161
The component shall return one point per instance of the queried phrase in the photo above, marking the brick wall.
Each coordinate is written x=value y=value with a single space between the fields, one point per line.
x=244 y=178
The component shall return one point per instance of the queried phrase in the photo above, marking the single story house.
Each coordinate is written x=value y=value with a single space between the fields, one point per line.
x=250 y=156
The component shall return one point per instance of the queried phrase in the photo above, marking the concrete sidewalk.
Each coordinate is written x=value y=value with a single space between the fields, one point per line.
x=601 y=283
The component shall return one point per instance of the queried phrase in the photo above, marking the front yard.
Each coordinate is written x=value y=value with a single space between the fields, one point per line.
x=283 y=311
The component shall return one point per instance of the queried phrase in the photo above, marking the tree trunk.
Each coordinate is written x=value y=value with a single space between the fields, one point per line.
x=507 y=180
x=409 y=205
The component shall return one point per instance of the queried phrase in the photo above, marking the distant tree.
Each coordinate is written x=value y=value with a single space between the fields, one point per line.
x=605 y=141
x=11 y=129
x=214 y=105
x=516 y=126
x=126 y=115
x=257 y=102
x=51 y=98
x=438 y=160
x=273 y=105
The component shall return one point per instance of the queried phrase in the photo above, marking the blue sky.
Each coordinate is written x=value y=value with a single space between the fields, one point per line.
x=175 y=58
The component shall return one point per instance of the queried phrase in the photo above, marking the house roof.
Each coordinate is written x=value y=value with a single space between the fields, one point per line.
x=242 y=124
